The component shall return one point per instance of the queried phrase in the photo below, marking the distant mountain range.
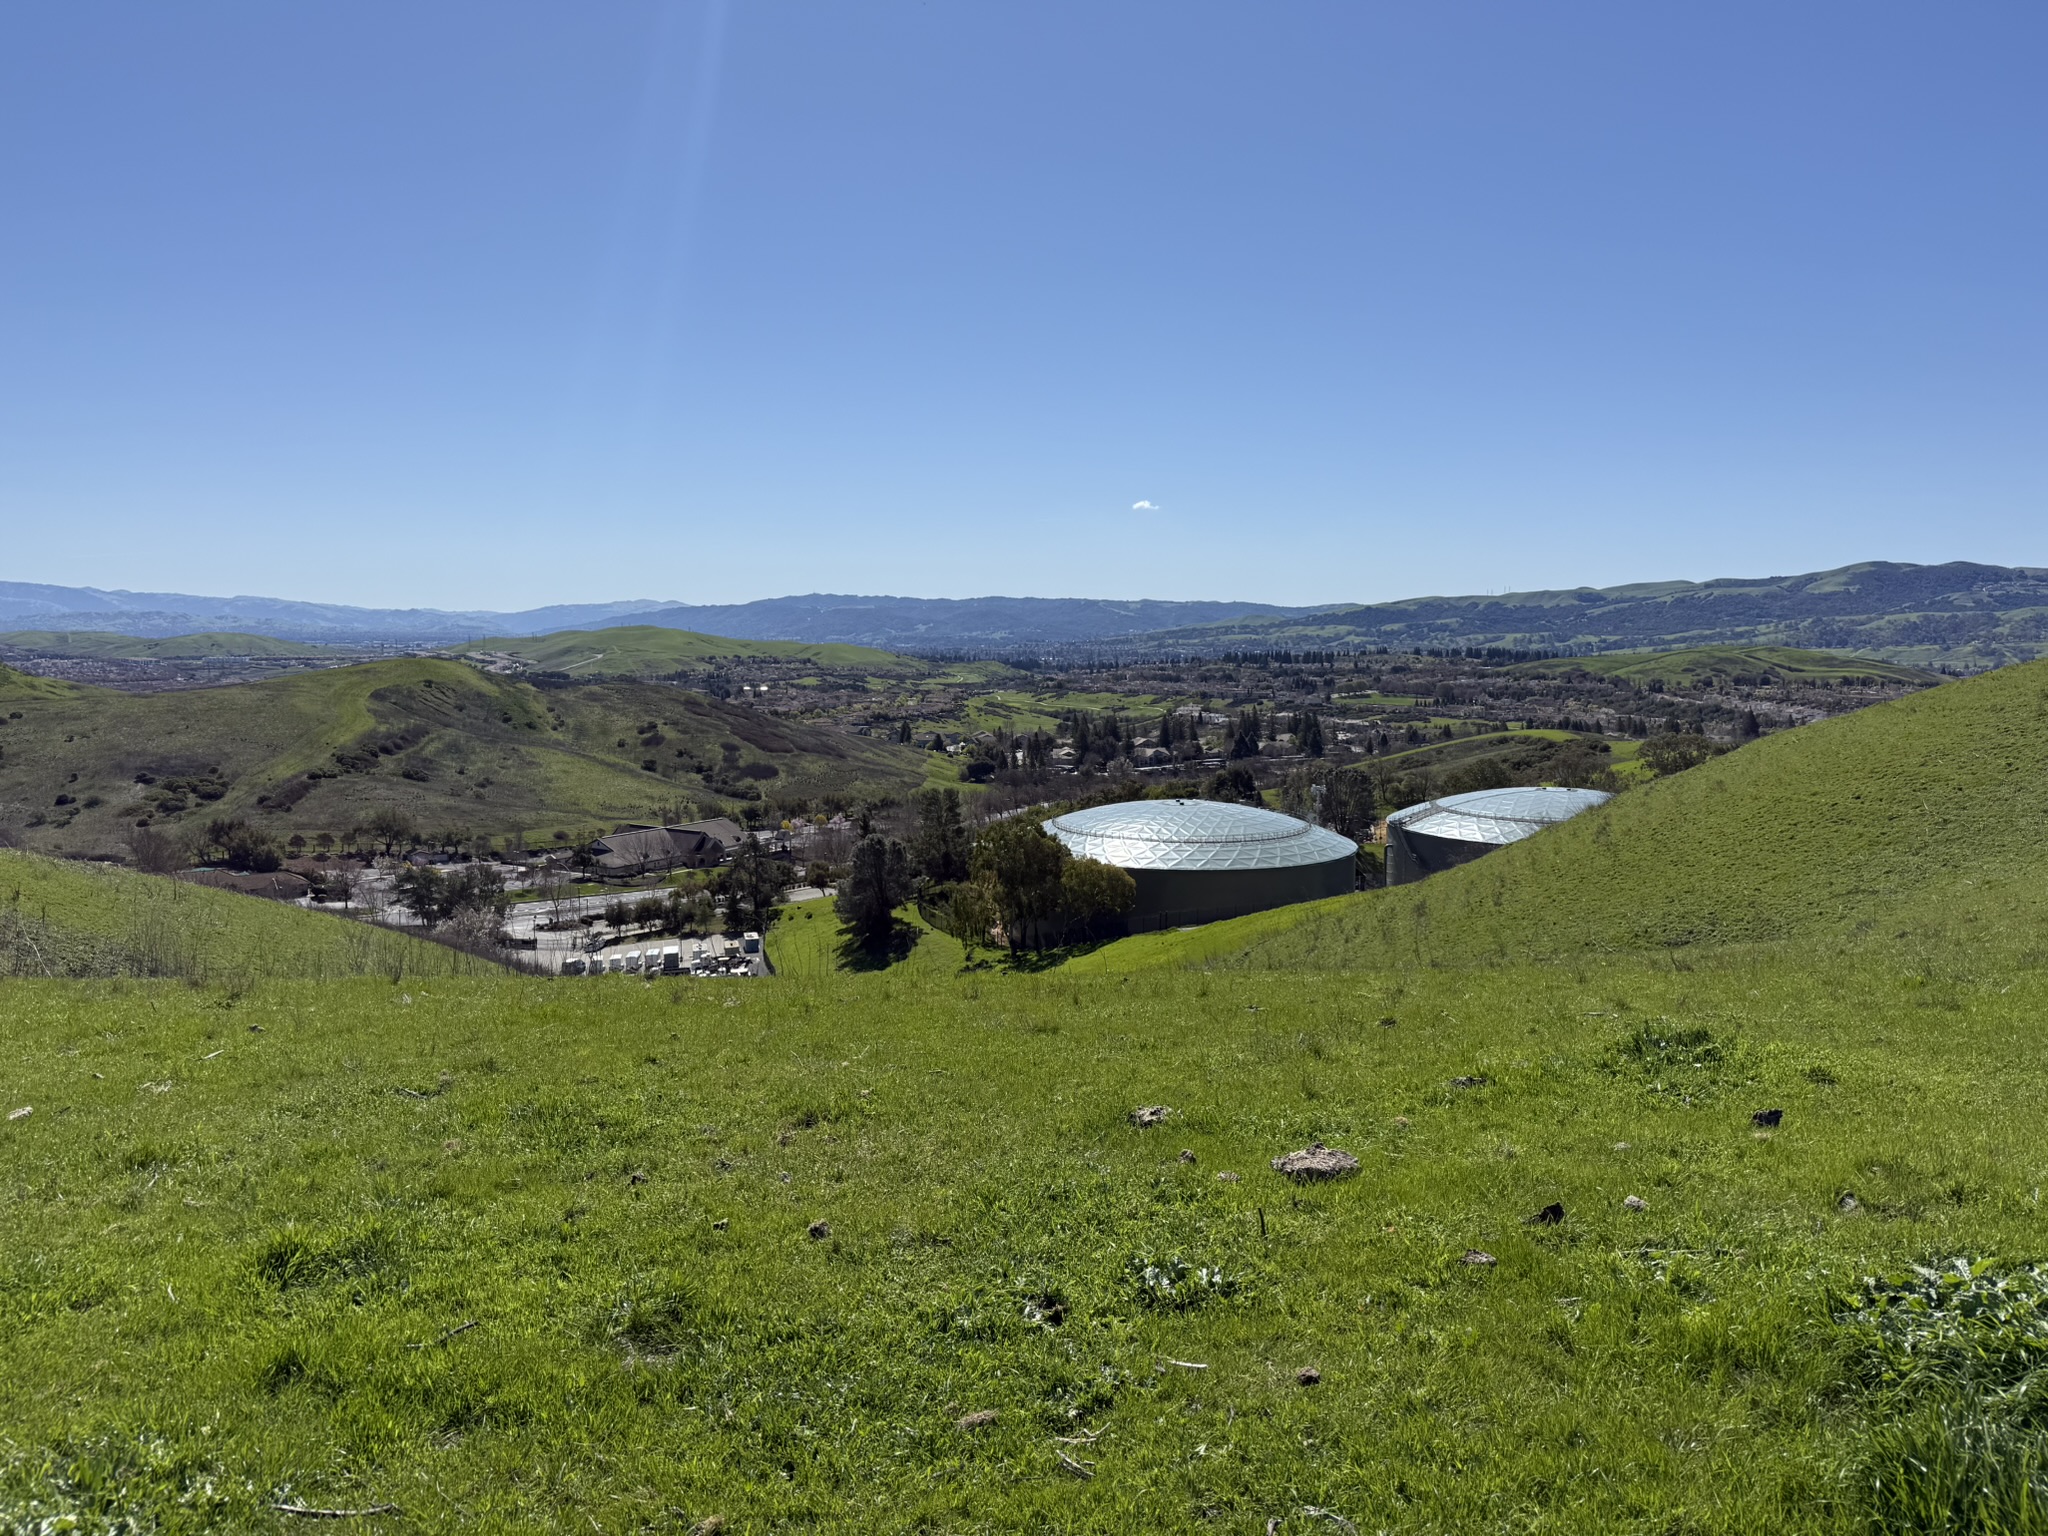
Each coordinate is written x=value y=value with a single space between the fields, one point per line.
x=32 y=605
x=1954 y=614
x=890 y=622
x=1958 y=613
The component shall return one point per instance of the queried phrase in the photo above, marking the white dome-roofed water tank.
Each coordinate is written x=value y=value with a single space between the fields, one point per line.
x=1442 y=834
x=1194 y=861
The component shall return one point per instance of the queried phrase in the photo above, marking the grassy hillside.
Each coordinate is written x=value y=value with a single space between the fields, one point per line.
x=63 y=919
x=449 y=746
x=807 y=941
x=19 y=688
x=636 y=650
x=89 y=643
x=532 y=1256
x=1751 y=666
x=1910 y=822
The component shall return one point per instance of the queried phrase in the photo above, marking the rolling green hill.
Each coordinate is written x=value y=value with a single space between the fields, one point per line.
x=1752 y=666
x=19 y=688
x=1640 y=1106
x=1907 y=823
x=447 y=745
x=84 y=920
x=93 y=643
x=637 y=650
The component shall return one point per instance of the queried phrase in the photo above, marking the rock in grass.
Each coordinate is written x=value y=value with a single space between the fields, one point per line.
x=710 y=1525
x=1551 y=1215
x=1478 y=1256
x=1187 y=1155
x=1149 y=1114
x=1316 y=1162
x=1847 y=1203
x=1478 y=1080
x=820 y=1230
x=1226 y=1177
x=1767 y=1119
x=977 y=1420
x=1307 y=1376
x=1635 y=1203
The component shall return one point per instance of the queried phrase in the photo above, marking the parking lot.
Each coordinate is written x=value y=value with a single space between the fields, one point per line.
x=718 y=955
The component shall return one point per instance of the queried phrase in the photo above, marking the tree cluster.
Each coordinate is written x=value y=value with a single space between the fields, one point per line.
x=1676 y=752
x=1027 y=884
x=235 y=843
x=435 y=897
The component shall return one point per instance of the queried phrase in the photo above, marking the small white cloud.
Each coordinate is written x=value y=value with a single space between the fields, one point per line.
x=1144 y=506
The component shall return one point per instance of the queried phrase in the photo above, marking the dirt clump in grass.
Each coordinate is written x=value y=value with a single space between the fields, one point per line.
x=1316 y=1162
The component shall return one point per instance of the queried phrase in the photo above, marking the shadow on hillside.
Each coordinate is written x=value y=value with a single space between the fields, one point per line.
x=903 y=938
x=1027 y=962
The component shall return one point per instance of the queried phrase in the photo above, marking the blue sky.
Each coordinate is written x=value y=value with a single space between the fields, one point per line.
x=496 y=304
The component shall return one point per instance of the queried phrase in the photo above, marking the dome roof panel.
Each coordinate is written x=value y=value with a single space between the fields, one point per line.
x=1497 y=816
x=1195 y=835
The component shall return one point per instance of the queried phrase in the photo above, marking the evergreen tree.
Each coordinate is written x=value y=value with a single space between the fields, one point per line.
x=1244 y=740
x=878 y=884
x=1308 y=733
x=940 y=848
x=753 y=886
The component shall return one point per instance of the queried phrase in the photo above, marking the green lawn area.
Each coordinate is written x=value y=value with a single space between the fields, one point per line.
x=805 y=942
x=521 y=1255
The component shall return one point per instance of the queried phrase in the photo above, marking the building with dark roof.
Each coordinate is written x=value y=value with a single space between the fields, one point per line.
x=650 y=850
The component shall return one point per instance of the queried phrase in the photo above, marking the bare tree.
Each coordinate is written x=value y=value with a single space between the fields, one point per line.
x=154 y=852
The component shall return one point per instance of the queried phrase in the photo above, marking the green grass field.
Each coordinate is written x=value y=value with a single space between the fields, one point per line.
x=81 y=920
x=449 y=746
x=249 y=1226
x=807 y=942
x=885 y=1252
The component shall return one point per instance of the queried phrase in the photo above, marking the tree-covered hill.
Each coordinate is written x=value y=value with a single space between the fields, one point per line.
x=437 y=741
